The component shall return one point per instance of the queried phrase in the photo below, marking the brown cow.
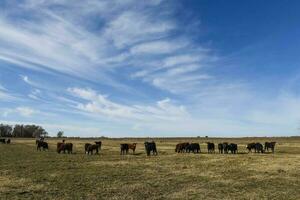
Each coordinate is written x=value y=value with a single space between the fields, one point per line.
x=125 y=148
x=132 y=146
x=58 y=145
x=64 y=147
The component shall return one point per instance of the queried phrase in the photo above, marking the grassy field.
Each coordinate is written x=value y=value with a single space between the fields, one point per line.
x=28 y=174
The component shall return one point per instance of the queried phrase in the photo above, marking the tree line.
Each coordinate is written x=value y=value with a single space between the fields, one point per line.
x=20 y=130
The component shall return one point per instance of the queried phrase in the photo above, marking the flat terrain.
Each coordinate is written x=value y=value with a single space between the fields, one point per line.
x=28 y=174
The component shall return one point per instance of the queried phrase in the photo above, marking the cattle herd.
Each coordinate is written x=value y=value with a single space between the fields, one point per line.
x=150 y=147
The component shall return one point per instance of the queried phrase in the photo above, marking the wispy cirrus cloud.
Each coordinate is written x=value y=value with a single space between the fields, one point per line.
x=157 y=47
x=22 y=111
x=105 y=42
x=123 y=36
x=6 y=95
x=131 y=27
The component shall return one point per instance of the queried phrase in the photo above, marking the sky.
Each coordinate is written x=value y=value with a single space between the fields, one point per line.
x=155 y=68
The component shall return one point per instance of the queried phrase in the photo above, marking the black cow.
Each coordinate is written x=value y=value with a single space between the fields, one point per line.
x=270 y=145
x=89 y=148
x=194 y=147
x=181 y=147
x=259 y=148
x=233 y=148
x=210 y=147
x=86 y=145
x=150 y=146
x=99 y=143
x=251 y=146
x=220 y=147
x=92 y=147
x=223 y=147
x=41 y=144
x=8 y=141
x=124 y=149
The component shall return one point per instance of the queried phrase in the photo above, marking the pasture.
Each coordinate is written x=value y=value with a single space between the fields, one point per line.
x=29 y=174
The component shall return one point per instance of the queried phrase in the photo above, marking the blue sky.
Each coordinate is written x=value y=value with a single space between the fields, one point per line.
x=122 y=68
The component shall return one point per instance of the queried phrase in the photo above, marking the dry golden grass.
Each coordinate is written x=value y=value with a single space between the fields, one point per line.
x=28 y=174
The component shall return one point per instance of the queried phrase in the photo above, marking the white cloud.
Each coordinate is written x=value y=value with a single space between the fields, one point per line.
x=183 y=69
x=6 y=95
x=26 y=80
x=34 y=94
x=21 y=110
x=2 y=88
x=181 y=79
x=181 y=59
x=26 y=111
x=72 y=45
x=132 y=27
x=129 y=34
x=100 y=104
x=157 y=47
